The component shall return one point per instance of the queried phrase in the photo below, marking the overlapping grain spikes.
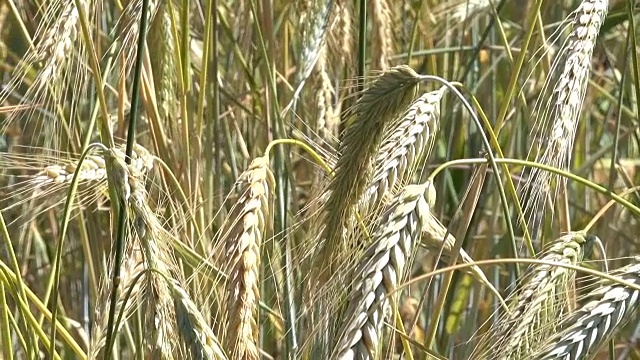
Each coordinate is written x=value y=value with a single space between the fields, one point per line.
x=380 y=269
x=376 y=107
x=243 y=233
x=607 y=309
x=438 y=240
x=406 y=145
x=539 y=301
x=564 y=105
x=47 y=187
x=154 y=242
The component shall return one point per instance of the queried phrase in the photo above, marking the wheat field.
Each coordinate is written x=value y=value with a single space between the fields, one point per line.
x=329 y=179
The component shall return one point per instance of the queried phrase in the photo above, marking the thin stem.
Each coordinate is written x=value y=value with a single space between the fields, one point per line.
x=131 y=134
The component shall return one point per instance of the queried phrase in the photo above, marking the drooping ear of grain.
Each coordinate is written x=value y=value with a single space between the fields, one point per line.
x=200 y=340
x=606 y=310
x=243 y=234
x=372 y=113
x=539 y=301
x=157 y=303
x=567 y=95
x=406 y=144
x=380 y=269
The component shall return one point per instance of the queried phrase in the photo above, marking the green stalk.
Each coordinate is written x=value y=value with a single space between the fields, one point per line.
x=54 y=283
x=131 y=133
x=4 y=325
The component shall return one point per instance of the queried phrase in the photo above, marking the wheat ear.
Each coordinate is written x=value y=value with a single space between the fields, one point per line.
x=243 y=233
x=607 y=309
x=380 y=270
x=314 y=24
x=438 y=240
x=411 y=140
x=540 y=300
x=568 y=94
x=377 y=106
x=326 y=122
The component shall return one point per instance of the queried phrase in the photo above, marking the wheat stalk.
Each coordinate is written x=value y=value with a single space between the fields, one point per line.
x=540 y=300
x=376 y=107
x=411 y=140
x=607 y=309
x=243 y=233
x=380 y=270
x=567 y=95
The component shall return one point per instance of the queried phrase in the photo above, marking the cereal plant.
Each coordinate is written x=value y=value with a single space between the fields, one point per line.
x=329 y=179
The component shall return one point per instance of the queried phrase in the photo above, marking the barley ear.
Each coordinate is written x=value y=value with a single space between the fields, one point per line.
x=380 y=269
x=539 y=301
x=607 y=309
x=200 y=340
x=243 y=234
x=566 y=99
x=404 y=147
x=377 y=106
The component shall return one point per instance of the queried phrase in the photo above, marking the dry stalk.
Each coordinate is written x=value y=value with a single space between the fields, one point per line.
x=381 y=268
x=540 y=300
x=243 y=233
x=566 y=97
x=409 y=142
x=438 y=240
x=607 y=309
x=376 y=107
x=382 y=44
